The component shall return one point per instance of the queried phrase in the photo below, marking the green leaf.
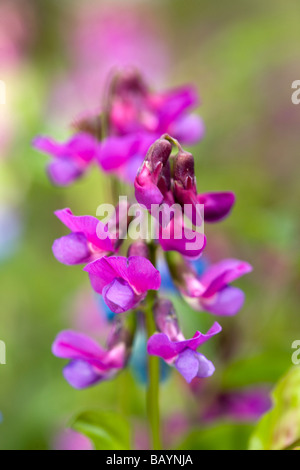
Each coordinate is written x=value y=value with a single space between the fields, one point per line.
x=280 y=428
x=107 y=430
x=224 y=436
x=267 y=367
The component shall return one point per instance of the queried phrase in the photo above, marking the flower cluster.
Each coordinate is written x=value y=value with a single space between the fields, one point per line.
x=118 y=136
x=131 y=138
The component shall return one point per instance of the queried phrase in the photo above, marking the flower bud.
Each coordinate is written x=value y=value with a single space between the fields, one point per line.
x=166 y=319
x=139 y=248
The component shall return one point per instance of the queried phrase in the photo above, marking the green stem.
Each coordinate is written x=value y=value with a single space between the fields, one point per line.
x=153 y=379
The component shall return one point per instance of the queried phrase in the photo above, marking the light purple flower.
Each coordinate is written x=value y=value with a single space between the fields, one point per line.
x=89 y=362
x=212 y=291
x=71 y=159
x=170 y=344
x=239 y=405
x=182 y=353
x=123 y=282
x=83 y=245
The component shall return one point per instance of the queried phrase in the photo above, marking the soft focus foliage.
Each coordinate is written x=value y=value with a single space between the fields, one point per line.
x=242 y=58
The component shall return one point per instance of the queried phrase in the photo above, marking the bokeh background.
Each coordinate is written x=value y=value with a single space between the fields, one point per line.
x=55 y=58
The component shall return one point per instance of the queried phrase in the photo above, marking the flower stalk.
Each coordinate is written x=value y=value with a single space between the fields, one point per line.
x=153 y=379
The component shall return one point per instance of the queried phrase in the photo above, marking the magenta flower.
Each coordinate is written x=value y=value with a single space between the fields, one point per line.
x=212 y=291
x=123 y=282
x=239 y=405
x=70 y=159
x=182 y=353
x=170 y=344
x=83 y=245
x=137 y=117
x=89 y=362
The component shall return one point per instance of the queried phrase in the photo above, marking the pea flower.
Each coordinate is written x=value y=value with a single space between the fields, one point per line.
x=247 y=404
x=136 y=117
x=70 y=159
x=89 y=362
x=83 y=244
x=123 y=282
x=211 y=291
x=170 y=344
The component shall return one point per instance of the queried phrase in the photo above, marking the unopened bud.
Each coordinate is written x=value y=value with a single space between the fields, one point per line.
x=139 y=248
x=166 y=319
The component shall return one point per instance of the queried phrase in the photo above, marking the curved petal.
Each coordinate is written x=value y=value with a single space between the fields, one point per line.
x=188 y=129
x=119 y=296
x=219 y=275
x=71 y=249
x=63 y=171
x=191 y=364
x=102 y=272
x=160 y=345
x=174 y=103
x=216 y=205
x=177 y=237
x=142 y=275
x=85 y=224
x=79 y=147
x=227 y=302
x=81 y=374
x=73 y=345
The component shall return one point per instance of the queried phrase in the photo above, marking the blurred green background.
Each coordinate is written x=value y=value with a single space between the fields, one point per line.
x=242 y=57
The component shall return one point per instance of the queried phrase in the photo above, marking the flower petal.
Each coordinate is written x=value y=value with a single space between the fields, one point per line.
x=219 y=275
x=73 y=345
x=71 y=249
x=142 y=275
x=160 y=345
x=188 y=129
x=81 y=374
x=216 y=205
x=119 y=296
x=192 y=364
x=87 y=225
x=177 y=237
x=227 y=302
x=63 y=171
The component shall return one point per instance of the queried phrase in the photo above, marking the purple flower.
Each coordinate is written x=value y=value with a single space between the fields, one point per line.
x=171 y=345
x=211 y=291
x=70 y=159
x=89 y=362
x=239 y=405
x=123 y=282
x=84 y=243
x=122 y=155
x=137 y=117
